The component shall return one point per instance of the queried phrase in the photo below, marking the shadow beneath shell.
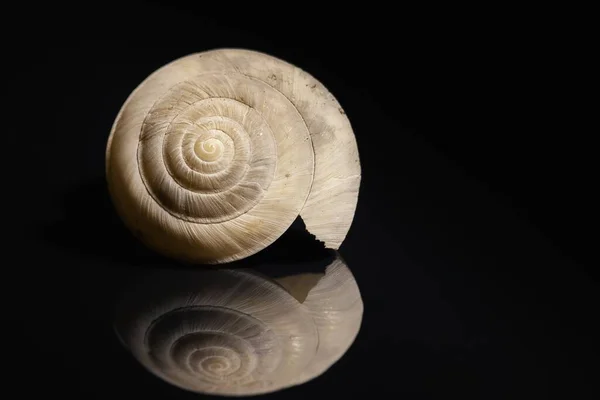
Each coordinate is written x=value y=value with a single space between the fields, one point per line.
x=92 y=228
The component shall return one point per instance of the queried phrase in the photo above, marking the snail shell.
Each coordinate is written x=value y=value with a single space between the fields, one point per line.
x=213 y=156
x=236 y=332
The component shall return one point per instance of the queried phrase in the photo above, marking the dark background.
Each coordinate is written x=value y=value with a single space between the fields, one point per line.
x=472 y=240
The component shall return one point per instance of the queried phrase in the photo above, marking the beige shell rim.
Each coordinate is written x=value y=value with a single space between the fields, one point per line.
x=315 y=173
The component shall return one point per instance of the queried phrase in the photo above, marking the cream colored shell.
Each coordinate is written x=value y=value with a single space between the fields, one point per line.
x=214 y=155
x=237 y=332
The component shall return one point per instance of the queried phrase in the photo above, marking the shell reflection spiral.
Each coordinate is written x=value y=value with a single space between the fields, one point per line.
x=235 y=332
x=213 y=156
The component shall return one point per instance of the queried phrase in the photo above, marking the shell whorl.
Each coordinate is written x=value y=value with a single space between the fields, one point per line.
x=214 y=155
x=237 y=332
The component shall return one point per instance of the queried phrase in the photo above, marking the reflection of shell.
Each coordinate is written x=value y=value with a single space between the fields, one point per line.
x=214 y=155
x=236 y=332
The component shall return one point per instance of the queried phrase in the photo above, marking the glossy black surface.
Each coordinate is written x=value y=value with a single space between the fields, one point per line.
x=469 y=243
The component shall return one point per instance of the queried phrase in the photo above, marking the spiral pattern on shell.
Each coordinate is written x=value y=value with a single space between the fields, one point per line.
x=236 y=332
x=214 y=155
